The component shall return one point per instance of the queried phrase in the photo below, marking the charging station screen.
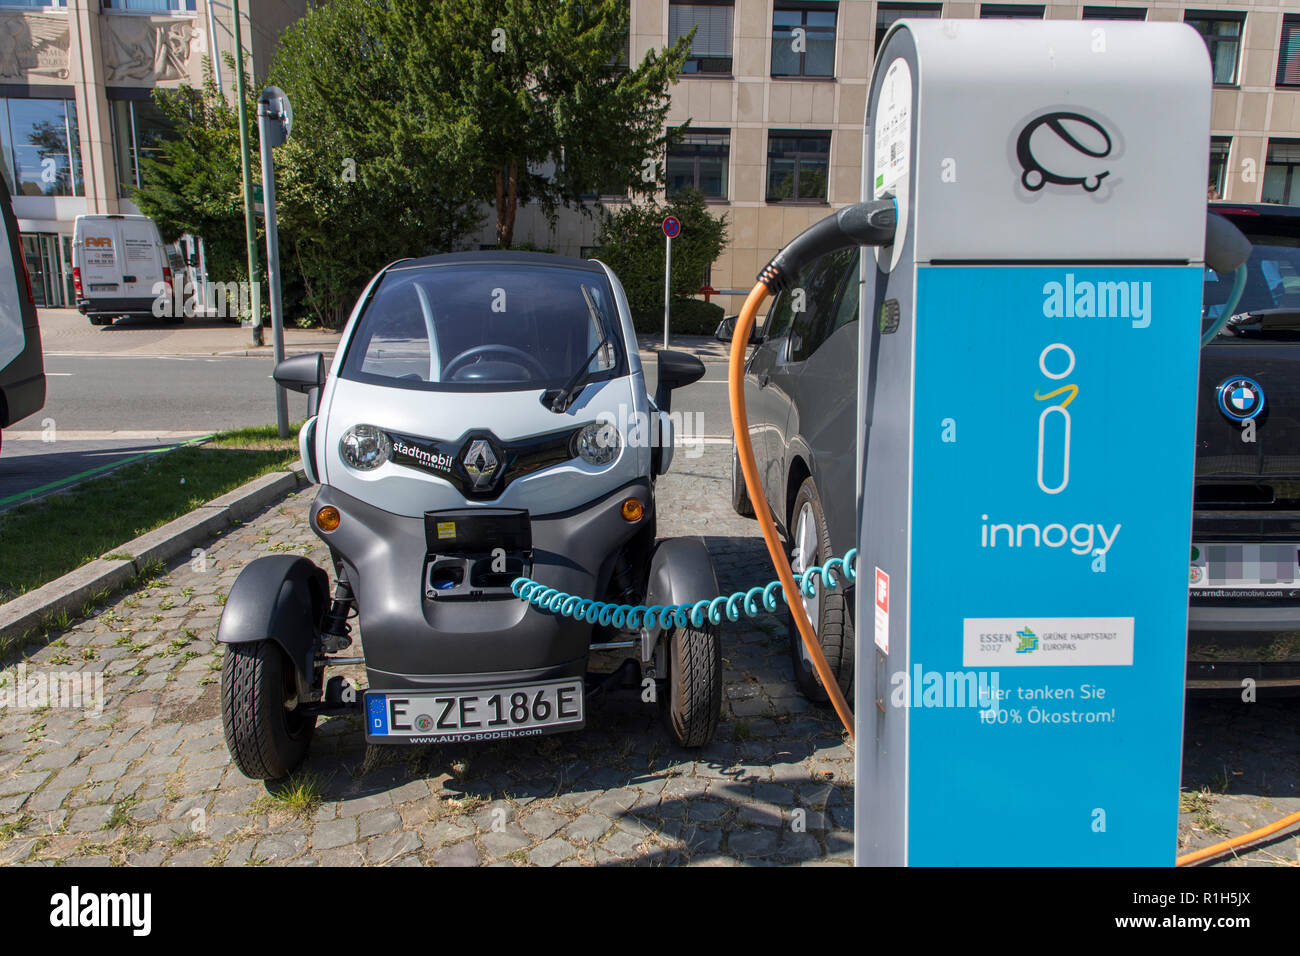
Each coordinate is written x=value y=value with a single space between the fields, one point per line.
x=1054 y=430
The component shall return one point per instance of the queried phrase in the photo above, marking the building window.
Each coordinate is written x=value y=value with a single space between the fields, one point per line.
x=1288 y=55
x=138 y=128
x=34 y=3
x=887 y=13
x=1219 y=148
x=711 y=48
x=803 y=40
x=1011 y=11
x=1114 y=13
x=1282 y=172
x=153 y=6
x=699 y=162
x=42 y=152
x=798 y=166
x=1222 y=34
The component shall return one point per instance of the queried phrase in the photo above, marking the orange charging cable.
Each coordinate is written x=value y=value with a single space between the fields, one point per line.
x=740 y=427
x=1219 y=849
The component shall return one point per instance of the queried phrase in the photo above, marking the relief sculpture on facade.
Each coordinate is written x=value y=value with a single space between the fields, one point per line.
x=33 y=44
x=139 y=48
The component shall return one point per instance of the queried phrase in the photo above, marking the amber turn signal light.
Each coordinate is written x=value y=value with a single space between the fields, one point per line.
x=633 y=509
x=327 y=519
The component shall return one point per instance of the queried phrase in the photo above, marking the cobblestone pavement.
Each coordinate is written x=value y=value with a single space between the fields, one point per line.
x=148 y=781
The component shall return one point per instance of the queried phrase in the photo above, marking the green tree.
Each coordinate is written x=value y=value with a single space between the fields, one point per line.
x=540 y=91
x=193 y=184
x=372 y=171
x=631 y=242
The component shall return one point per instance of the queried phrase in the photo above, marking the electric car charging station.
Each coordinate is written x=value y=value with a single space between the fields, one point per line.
x=1027 y=410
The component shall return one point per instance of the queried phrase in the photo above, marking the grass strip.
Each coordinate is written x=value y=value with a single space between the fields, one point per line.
x=45 y=539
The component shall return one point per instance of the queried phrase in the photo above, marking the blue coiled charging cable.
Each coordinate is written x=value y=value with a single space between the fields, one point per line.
x=753 y=602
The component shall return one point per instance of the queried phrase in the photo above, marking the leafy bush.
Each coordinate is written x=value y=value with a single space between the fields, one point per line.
x=685 y=317
x=631 y=242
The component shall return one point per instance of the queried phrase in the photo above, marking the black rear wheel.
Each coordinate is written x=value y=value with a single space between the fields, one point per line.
x=267 y=732
x=694 y=699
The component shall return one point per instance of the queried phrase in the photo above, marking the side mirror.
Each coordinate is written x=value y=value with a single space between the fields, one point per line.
x=676 y=369
x=727 y=328
x=303 y=373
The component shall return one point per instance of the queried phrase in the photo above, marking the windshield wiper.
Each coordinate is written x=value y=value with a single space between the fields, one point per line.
x=573 y=387
x=1267 y=318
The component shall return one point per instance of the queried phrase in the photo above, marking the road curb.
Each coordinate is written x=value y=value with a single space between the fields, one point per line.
x=69 y=594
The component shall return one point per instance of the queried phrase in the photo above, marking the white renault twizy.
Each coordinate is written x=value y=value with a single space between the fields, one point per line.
x=472 y=430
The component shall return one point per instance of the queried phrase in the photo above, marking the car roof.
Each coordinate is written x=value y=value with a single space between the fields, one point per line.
x=1260 y=217
x=501 y=257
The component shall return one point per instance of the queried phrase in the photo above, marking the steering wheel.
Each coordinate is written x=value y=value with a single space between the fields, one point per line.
x=463 y=358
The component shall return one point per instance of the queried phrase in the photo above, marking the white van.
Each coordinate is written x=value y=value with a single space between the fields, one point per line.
x=118 y=263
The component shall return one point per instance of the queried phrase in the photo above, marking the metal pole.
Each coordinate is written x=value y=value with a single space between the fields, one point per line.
x=668 y=283
x=216 y=52
x=264 y=121
x=250 y=222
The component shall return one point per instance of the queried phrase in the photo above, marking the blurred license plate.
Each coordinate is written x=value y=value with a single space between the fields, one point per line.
x=1244 y=566
x=524 y=710
x=103 y=286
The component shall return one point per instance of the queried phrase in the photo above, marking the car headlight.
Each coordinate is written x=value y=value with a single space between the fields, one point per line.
x=598 y=443
x=365 y=447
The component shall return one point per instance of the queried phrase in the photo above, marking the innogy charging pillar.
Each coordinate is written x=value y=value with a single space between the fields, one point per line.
x=1028 y=410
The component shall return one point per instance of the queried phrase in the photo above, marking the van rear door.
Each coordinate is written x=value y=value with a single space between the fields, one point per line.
x=142 y=253
x=101 y=268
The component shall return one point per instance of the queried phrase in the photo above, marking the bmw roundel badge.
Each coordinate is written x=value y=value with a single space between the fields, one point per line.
x=1241 y=399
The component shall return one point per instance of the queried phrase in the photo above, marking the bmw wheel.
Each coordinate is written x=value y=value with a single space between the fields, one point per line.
x=831 y=611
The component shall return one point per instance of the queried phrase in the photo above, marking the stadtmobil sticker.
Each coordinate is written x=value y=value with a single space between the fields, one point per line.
x=882 y=610
x=1046 y=641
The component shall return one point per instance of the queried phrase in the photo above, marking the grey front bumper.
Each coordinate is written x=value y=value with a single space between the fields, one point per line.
x=412 y=642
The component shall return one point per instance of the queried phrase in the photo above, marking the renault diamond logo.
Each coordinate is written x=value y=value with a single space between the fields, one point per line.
x=1241 y=399
x=481 y=464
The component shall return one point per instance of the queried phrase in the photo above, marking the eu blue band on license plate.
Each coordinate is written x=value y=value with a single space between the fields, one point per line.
x=377 y=714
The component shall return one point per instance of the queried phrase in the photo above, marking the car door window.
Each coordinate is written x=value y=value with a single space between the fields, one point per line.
x=778 y=320
x=847 y=310
x=812 y=325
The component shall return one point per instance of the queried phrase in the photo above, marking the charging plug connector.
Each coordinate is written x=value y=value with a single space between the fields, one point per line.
x=862 y=224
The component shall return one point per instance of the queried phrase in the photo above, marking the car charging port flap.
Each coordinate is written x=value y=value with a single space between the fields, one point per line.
x=475 y=553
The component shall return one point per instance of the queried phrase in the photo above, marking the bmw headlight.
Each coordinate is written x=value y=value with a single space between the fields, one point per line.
x=365 y=447
x=598 y=443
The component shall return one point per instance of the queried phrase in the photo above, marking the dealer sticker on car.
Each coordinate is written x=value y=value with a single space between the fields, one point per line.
x=525 y=710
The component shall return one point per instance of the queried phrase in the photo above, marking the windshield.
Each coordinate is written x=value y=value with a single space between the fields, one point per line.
x=1272 y=278
x=486 y=327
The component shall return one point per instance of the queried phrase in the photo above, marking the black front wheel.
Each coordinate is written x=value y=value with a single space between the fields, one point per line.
x=267 y=732
x=694 y=694
x=740 y=501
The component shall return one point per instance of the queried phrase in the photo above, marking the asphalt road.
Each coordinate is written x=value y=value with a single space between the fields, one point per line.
x=105 y=409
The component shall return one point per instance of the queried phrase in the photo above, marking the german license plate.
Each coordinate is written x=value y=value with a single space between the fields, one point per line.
x=103 y=286
x=1244 y=566
x=433 y=717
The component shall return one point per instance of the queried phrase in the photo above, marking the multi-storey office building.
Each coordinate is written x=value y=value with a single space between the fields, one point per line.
x=75 y=107
x=776 y=125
